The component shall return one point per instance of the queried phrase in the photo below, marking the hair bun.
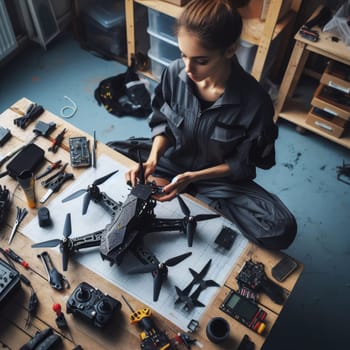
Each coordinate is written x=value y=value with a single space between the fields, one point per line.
x=240 y=3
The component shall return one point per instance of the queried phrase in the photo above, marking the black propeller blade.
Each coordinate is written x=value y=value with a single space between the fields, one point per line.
x=64 y=244
x=159 y=271
x=191 y=221
x=47 y=244
x=67 y=231
x=190 y=301
x=88 y=191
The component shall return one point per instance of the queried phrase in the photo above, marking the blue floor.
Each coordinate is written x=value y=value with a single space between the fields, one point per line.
x=305 y=178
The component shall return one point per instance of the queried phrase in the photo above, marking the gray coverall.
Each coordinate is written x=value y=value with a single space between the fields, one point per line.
x=238 y=129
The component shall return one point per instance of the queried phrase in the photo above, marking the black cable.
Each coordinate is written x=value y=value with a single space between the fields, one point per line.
x=33 y=112
x=33 y=300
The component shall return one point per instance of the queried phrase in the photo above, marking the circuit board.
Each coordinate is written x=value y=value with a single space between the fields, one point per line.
x=79 y=152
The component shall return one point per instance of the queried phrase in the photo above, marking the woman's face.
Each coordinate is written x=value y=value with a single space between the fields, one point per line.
x=200 y=63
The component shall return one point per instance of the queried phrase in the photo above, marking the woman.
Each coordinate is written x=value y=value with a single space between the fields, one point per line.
x=212 y=125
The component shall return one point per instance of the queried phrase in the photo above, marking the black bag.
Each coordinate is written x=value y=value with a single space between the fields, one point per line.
x=28 y=159
x=124 y=94
x=130 y=147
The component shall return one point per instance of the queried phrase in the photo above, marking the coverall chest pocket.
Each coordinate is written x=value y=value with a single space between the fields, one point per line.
x=227 y=136
x=175 y=122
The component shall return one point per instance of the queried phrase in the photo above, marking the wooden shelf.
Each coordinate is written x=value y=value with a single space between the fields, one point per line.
x=287 y=107
x=161 y=6
x=255 y=31
x=296 y=112
x=253 y=28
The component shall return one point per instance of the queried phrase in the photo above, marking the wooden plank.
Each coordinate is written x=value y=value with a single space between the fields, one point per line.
x=292 y=75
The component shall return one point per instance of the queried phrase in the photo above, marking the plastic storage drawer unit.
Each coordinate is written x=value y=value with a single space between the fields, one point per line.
x=161 y=24
x=157 y=64
x=104 y=24
x=163 y=47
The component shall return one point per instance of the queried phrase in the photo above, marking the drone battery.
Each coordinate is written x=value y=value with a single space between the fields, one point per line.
x=44 y=217
x=28 y=159
x=5 y=135
x=226 y=238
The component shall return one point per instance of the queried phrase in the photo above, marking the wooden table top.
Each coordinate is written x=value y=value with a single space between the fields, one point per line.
x=118 y=334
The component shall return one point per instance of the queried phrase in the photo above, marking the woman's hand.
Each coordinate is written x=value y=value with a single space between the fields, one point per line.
x=133 y=175
x=178 y=185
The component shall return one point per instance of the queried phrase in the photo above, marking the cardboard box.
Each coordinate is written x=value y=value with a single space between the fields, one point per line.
x=332 y=101
x=178 y=2
x=259 y=9
x=337 y=76
x=326 y=122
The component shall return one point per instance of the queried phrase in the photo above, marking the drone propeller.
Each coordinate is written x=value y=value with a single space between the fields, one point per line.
x=159 y=271
x=191 y=221
x=64 y=243
x=190 y=301
x=91 y=189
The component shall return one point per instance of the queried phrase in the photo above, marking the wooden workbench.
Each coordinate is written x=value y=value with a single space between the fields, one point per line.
x=118 y=334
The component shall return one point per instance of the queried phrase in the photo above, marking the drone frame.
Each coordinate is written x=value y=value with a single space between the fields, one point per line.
x=131 y=221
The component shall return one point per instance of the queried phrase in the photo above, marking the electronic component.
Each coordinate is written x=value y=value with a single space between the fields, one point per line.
x=9 y=280
x=226 y=237
x=284 y=268
x=5 y=135
x=92 y=304
x=44 y=217
x=79 y=152
x=244 y=311
x=253 y=276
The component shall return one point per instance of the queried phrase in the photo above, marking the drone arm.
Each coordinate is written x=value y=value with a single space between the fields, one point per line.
x=159 y=225
x=109 y=204
x=87 y=241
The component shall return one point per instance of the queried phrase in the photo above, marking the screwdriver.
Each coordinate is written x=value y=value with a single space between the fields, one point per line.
x=11 y=254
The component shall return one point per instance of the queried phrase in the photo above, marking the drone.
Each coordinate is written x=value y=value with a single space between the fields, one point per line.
x=131 y=221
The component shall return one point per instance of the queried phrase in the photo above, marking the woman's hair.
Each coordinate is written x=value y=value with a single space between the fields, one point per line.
x=217 y=23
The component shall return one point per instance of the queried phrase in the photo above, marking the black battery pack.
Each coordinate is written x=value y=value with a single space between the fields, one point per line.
x=28 y=159
x=5 y=135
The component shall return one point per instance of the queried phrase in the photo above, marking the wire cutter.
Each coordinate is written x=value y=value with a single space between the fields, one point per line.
x=21 y=213
x=57 y=141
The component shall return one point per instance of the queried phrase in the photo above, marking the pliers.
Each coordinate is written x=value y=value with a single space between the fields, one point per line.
x=57 y=141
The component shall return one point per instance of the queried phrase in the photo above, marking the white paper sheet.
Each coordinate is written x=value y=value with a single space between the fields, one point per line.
x=164 y=245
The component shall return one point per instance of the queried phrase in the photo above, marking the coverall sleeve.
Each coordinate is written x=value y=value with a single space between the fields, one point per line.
x=258 y=147
x=158 y=121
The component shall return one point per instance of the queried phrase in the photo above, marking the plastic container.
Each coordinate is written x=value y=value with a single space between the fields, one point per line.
x=163 y=47
x=246 y=54
x=157 y=64
x=104 y=24
x=161 y=24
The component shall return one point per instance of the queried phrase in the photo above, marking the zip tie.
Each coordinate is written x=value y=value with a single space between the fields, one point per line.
x=73 y=109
